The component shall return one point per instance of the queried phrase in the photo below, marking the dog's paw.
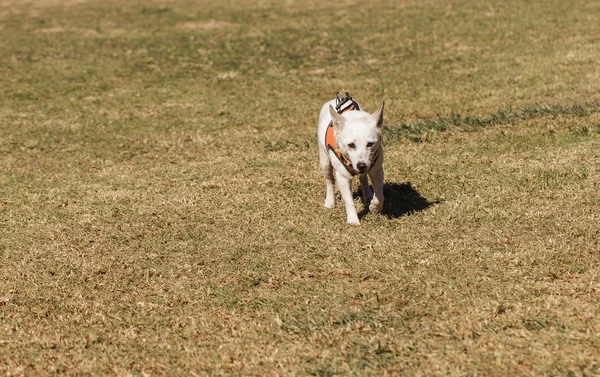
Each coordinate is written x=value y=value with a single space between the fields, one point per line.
x=329 y=203
x=375 y=206
x=353 y=221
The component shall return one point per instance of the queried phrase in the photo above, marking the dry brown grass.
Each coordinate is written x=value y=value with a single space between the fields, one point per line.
x=161 y=205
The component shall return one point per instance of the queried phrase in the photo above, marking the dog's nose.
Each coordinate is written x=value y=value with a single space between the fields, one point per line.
x=362 y=167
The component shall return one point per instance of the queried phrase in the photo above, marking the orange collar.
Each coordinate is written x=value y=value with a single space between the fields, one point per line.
x=330 y=144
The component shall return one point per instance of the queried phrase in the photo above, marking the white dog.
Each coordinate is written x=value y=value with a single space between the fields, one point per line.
x=350 y=143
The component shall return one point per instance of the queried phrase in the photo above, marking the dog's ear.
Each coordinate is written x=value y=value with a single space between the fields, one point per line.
x=338 y=121
x=378 y=115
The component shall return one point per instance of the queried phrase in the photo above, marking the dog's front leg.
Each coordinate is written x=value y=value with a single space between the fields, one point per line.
x=345 y=185
x=376 y=175
x=327 y=170
x=366 y=190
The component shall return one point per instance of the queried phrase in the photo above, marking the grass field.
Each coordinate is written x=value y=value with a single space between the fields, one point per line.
x=161 y=202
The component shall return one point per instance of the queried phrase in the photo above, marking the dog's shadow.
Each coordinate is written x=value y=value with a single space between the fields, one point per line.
x=400 y=199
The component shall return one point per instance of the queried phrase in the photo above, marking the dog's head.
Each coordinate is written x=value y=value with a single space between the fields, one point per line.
x=358 y=135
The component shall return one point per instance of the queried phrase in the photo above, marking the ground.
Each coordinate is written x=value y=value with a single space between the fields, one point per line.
x=161 y=202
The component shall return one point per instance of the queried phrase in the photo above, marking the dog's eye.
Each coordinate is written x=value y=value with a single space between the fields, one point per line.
x=370 y=145
x=351 y=146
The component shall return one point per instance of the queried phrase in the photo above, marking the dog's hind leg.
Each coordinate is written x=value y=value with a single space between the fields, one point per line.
x=327 y=170
x=366 y=190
